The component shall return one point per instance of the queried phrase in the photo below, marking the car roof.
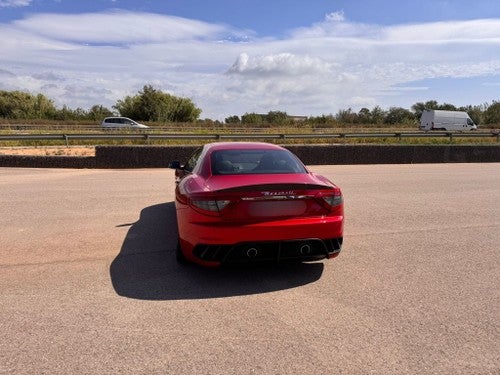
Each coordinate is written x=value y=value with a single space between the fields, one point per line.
x=204 y=168
x=217 y=146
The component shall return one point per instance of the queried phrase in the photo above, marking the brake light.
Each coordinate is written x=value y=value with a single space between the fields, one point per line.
x=210 y=205
x=333 y=200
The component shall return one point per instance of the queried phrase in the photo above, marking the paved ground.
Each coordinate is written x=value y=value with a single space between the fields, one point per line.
x=88 y=281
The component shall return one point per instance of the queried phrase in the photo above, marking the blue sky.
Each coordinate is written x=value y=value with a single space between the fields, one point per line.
x=230 y=57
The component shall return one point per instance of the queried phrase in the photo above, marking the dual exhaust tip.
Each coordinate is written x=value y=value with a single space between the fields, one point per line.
x=252 y=252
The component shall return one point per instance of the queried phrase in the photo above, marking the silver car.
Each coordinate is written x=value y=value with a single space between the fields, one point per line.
x=121 y=122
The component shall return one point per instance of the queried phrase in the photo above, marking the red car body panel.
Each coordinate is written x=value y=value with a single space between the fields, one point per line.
x=252 y=216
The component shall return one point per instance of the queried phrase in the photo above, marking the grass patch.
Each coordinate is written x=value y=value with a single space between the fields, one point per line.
x=275 y=134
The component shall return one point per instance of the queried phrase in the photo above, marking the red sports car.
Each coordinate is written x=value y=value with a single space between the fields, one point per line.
x=242 y=202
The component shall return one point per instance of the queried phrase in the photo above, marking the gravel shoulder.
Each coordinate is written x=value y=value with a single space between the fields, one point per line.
x=49 y=151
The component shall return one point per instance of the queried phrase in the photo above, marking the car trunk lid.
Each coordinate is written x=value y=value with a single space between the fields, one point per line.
x=272 y=197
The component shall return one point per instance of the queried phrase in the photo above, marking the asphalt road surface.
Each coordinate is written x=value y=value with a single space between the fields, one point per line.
x=89 y=282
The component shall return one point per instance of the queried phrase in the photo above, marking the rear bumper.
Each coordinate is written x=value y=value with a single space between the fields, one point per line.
x=310 y=249
x=215 y=243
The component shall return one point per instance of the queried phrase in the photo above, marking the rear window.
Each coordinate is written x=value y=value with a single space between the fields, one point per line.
x=255 y=162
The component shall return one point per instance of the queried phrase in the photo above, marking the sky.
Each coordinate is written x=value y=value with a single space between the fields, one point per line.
x=230 y=57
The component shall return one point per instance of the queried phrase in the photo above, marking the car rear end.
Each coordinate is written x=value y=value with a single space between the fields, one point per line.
x=267 y=222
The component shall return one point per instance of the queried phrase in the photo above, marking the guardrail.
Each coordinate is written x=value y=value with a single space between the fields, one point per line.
x=148 y=137
x=336 y=154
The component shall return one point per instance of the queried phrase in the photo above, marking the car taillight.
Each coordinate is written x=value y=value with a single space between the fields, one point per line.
x=210 y=205
x=334 y=200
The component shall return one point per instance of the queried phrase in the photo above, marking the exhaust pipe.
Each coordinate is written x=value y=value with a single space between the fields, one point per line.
x=305 y=249
x=252 y=252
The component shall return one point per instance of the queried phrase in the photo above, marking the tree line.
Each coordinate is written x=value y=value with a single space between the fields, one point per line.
x=153 y=105
x=486 y=114
x=149 y=104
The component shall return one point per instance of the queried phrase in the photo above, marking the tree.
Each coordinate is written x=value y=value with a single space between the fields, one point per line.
x=322 y=120
x=98 y=112
x=43 y=107
x=128 y=107
x=378 y=115
x=398 y=115
x=22 y=105
x=151 y=104
x=447 y=107
x=232 y=120
x=7 y=104
x=64 y=113
x=252 y=118
x=364 y=116
x=184 y=110
x=492 y=113
x=277 y=117
x=347 y=116
x=419 y=107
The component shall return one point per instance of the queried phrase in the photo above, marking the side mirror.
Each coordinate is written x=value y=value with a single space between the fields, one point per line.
x=175 y=164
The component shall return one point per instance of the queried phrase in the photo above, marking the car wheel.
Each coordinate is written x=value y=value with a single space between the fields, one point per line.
x=179 y=256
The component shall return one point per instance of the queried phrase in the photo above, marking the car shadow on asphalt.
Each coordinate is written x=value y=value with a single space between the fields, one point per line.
x=146 y=267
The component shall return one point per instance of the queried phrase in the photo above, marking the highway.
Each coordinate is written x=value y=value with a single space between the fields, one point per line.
x=89 y=282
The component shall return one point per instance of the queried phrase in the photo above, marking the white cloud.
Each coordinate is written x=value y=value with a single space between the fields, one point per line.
x=285 y=64
x=335 y=25
x=86 y=59
x=463 y=31
x=14 y=3
x=118 y=27
x=335 y=17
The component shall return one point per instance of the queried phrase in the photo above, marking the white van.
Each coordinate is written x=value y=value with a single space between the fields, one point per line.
x=433 y=119
x=121 y=122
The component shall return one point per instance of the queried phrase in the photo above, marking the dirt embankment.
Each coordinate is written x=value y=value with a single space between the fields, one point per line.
x=49 y=151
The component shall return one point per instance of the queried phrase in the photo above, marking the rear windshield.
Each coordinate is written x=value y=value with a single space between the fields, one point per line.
x=255 y=162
